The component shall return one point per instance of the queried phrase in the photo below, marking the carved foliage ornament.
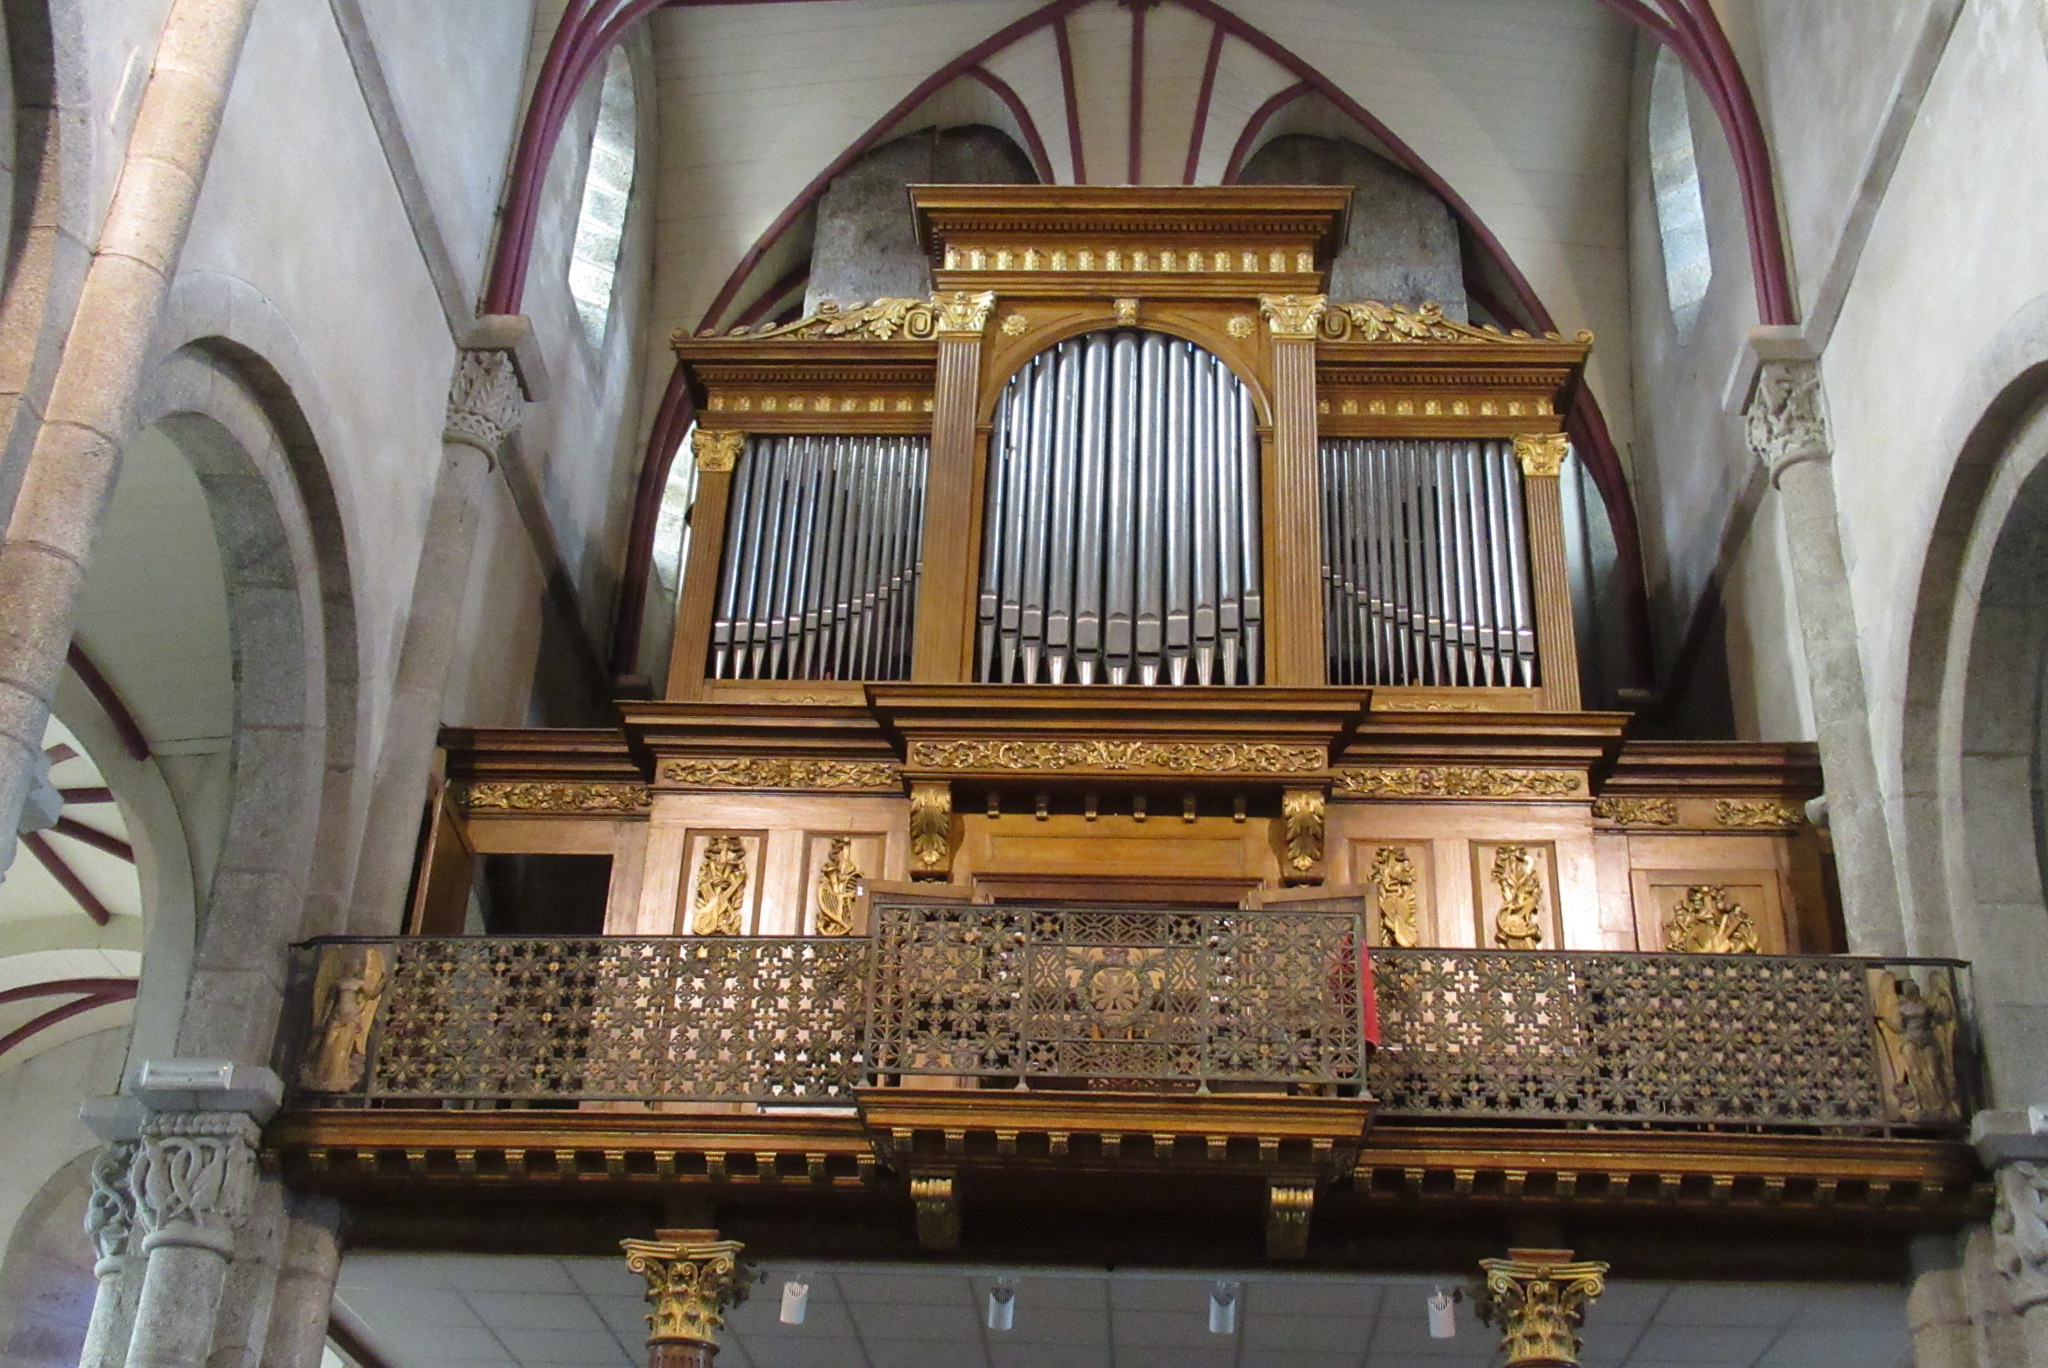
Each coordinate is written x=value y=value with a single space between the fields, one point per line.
x=693 y=1279
x=537 y=796
x=931 y=830
x=1542 y=455
x=484 y=401
x=110 y=1210
x=1172 y=757
x=1393 y=879
x=192 y=1176
x=831 y=776
x=1637 y=811
x=718 y=899
x=1293 y=317
x=1371 y=321
x=1537 y=1299
x=1450 y=781
x=1518 y=925
x=1787 y=422
x=1301 y=814
x=883 y=320
x=839 y=888
x=964 y=311
x=717 y=450
x=1758 y=812
x=1707 y=921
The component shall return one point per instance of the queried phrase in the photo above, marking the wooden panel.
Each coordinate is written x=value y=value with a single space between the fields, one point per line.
x=440 y=905
x=1758 y=893
x=1507 y=905
x=1112 y=849
x=1400 y=879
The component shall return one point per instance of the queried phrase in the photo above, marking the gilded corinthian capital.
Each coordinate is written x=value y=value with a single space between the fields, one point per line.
x=1537 y=1298
x=693 y=1279
x=1293 y=317
x=964 y=311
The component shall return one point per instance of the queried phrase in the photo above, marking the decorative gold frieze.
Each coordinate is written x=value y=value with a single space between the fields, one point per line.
x=550 y=796
x=766 y=772
x=1757 y=812
x=765 y=402
x=1455 y=781
x=1637 y=811
x=716 y=449
x=1542 y=454
x=931 y=830
x=718 y=898
x=1537 y=1298
x=347 y=988
x=693 y=1279
x=1706 y=921
x=1371 y=321
x=964 y=311
x=1174 y=260
x=1394 y=886
x=839 y=888
x=1301 y=818
x=1171 y=757
x=1518 y=923
x=1916 y=1033
x=1293 y=317
x=884 y=320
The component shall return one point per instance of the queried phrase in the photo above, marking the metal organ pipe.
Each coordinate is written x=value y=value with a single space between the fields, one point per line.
x=1120 y=530
x=820 y=567
x=1426 y=568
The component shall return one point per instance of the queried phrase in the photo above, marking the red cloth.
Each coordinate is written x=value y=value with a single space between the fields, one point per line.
x=1368 y=1001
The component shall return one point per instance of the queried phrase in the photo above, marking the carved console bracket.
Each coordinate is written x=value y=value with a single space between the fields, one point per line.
x=1301 y=852
x=931 y=831
x=938 y=1210
x=1289 y=1207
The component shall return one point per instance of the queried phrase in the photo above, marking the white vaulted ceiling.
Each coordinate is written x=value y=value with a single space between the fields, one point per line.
x=458 y=1311
x=1520 y=107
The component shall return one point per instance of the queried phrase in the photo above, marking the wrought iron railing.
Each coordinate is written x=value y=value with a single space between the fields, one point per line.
x=1047 y=997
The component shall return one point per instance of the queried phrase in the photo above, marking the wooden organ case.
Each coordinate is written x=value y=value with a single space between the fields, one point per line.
x=1128 y=567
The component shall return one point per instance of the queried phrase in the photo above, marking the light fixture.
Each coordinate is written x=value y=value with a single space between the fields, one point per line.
x=1443 y=1315
x=1002 y=1305
x=796 y=1300
x=1223 y=1309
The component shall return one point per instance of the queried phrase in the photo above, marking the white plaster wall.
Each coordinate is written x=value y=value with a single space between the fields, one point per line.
x=40 y=1099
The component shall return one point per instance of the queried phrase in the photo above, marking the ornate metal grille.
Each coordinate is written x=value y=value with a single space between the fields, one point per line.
x=1117 y=996
x=1745 y=1040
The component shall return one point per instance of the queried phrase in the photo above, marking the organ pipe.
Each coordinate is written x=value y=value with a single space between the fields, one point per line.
x=1426 y=564
x=819 y=574
x=1120 y=531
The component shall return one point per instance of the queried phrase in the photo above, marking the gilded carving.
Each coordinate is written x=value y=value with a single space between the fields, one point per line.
x=1757 y=812
x=693 y=1279
x=964 y=311
x=1787 y=420
x=1706 y=921
x=718 y=898
x=347 y=989
x=883 y=320
x=931 y=830
x=1916 y=1032
x=1173 y=757
x=1371 y=321
x=717 y=450
x=1451 y=781
x=938 y=1211
x=540 y=796
x=828 y=776
x=1289 y=1207
x=1127 y=313
x=1518 y=924
x=1542 y=454
x=1293 y=317
x=1015 y=325
x=839 y=888
x=2019 y=1234
x=1301 y=817
x=1637 y=811
x=1537 y=1298
x=1393 y=882
x=1241 y=326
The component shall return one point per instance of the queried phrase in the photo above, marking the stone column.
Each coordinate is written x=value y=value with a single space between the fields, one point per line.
x=306 y=1275
x=1293 y=497
x=693 y=1278
x=485 y=404
x=76 y=456
x=109 y=1222
x=1788 y=432
x=193 y=1177
x=1537 y=1299
x=1937 y=1311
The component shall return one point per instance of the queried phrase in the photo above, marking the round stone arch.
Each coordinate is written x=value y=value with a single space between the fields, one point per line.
x=1968 y=810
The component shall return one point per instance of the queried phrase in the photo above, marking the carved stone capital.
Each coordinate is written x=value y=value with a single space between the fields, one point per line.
x=1293 y=318
x=193 y=1176
x=716 y=450
x=964 y=312
x=1537 y=1298
x=1787 y=420
x=110 y=1209
x=2019 y=1234
x=1542 y=454
x=485 y=400
x=693 y=1279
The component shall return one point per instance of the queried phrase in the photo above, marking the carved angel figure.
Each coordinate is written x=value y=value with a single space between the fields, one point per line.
x=1519 y=923
x=1393 y=875
x=1917 y=1030
x=346 y=992
x=839 y=888
x=1708 y=922
x=720 y=895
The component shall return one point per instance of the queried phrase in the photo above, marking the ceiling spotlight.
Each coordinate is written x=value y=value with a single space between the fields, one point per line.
x=1443 y=1316
x=796 y=1300
x=1223 y=1309
x=1002 y=1305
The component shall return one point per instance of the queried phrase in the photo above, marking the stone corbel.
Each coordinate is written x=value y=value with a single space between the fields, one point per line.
x=497 y=373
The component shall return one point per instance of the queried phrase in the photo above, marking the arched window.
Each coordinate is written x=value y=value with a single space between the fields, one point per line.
x=1675 y=176
x=607 y=187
